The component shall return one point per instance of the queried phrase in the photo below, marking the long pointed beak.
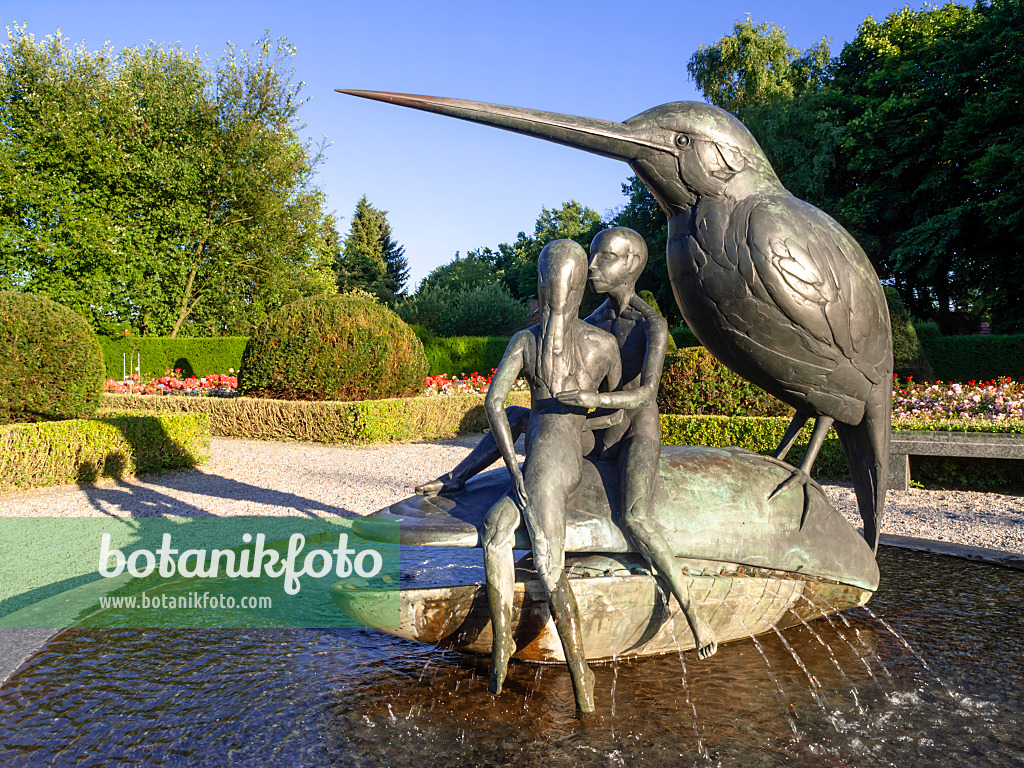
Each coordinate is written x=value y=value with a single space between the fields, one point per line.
x=601 y=137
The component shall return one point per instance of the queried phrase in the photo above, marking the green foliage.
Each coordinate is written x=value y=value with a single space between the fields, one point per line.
x=908 y=91
x=51 y=365
x=332 y=348
x=461 y=355
x=82 y=450
x=684 y=337
x=369 y=259
x=695 y=383
x=198 y=357
x=756 y=65
x=1015 y=426
x=909 y=359
x=975 y=358
x=482 y=310
x=144 y=190
x=652 y=302
x=910 y=138
x=367 y=421
x=758 y=434
x=475 y=269
x=515 y=265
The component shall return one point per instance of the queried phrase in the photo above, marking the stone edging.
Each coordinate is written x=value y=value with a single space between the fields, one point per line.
x=967 y=552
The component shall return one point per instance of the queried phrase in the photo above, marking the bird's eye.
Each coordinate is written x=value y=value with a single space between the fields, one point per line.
x=682 y=140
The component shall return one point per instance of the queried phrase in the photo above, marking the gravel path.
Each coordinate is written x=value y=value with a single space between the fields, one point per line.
x=252 y=477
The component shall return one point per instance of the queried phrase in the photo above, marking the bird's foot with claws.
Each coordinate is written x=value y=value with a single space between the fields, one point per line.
x=798 y=479
x=443 y=484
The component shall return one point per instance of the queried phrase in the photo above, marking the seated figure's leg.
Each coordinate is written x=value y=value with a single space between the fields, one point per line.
x=638 y=473
x=545 y=516
x=499 y=535
x=482 y=456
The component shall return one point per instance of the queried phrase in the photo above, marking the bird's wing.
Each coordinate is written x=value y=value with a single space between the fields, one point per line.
x=817 y=275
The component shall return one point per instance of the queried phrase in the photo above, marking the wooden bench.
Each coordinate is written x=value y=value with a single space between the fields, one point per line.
x=975 y=445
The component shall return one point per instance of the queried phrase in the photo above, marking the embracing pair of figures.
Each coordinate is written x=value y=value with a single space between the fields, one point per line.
x=593 y=387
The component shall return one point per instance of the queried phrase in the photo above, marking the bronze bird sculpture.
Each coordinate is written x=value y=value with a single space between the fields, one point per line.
x=772 y=286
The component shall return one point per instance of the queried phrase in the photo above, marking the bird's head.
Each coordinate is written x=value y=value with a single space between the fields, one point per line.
x=682 y=151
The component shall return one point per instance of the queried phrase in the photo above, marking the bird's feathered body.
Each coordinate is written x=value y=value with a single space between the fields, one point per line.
x=768 y=286
x=772 y=286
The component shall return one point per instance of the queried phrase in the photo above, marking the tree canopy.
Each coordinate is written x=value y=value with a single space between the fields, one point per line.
x=146 y=190
x=369 y=258
x=909 y=138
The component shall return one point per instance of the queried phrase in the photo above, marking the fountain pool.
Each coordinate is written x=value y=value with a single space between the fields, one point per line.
x=930 y=673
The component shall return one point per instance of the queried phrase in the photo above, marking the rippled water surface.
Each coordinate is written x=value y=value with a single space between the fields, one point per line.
x=930 y=676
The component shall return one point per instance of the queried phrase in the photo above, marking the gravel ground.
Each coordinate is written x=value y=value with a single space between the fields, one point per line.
x=252 y=477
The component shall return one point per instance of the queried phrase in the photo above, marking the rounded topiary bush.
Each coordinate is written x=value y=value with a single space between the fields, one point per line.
x=51 y=364
x=332 y=348
x=694 y=383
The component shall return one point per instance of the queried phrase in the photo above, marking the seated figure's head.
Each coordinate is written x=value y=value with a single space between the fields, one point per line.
x=561 y=277
x=618 y=256
x=561 y=280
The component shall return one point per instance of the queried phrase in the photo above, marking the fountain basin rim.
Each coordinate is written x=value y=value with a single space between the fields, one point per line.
x=20 y=645
x=986 y=555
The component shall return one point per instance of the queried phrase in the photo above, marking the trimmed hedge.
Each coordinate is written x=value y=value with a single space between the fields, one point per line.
x=117 y=446
x=695 y=383
x=51 y=366
x=755 y=433
x=762 y=435
x=684 y=337
x=431 y=418
x=364 y=421
x=342 y=347
x=973 y=358
x=460 y=355
x=195 y=357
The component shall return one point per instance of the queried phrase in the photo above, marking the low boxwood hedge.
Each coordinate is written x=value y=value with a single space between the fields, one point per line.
x=365 y=421
x=82 y=450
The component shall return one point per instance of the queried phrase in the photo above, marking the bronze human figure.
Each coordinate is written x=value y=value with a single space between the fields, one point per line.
x=770 y=285
x=618 y=256
x=561 y=353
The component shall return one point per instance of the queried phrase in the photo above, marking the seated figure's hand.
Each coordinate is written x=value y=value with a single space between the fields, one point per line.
x=518 y=491
x=579 y=398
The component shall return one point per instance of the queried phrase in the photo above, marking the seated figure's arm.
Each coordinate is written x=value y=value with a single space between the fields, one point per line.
x=504 y=378
x=612 y=380
x=656 y=330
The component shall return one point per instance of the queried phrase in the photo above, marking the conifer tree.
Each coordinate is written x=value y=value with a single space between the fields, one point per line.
x=369 y=257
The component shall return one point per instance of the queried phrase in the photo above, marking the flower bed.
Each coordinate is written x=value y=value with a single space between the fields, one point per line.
x=996 y=400
x=470 y=384
x=213 y=385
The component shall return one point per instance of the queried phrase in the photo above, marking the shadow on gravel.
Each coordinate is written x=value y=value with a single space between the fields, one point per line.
x=146 y=501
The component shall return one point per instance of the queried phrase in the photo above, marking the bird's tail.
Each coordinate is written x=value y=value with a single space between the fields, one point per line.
x=867 y=452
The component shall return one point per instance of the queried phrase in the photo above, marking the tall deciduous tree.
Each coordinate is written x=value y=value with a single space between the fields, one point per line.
x=146 y=189
x=910 y=138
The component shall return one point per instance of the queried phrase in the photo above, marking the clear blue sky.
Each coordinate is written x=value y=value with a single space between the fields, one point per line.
x=449 y=185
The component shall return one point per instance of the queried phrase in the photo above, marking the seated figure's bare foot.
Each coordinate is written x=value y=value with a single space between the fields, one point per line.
x=707 y=641
x=585 y=698
x=443 y=484
x=499 y=665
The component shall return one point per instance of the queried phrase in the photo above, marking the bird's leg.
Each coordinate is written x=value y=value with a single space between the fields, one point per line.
x=792 y=431
x=822 y=424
